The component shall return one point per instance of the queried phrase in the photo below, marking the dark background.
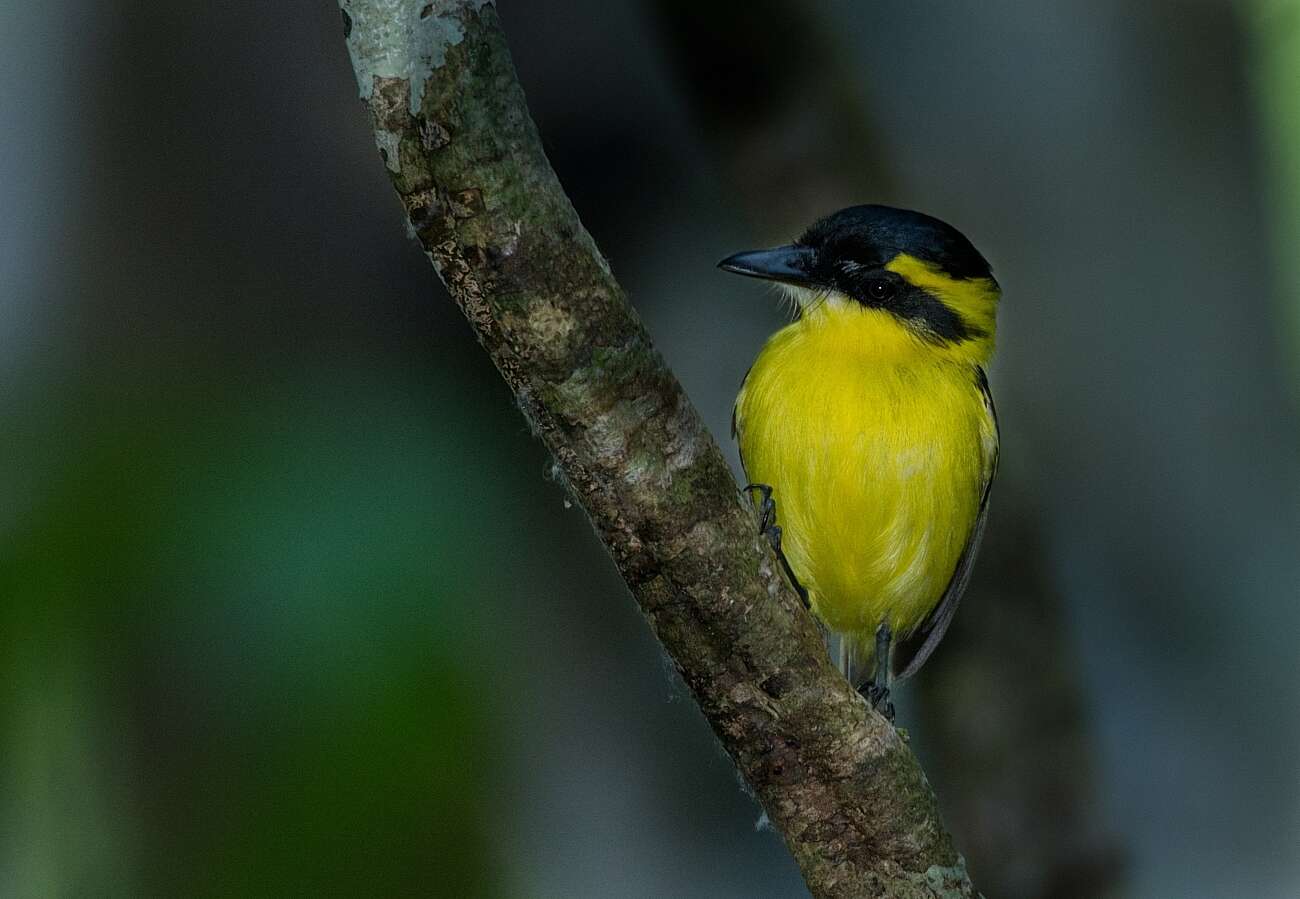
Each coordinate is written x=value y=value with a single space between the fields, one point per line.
x=288 y=604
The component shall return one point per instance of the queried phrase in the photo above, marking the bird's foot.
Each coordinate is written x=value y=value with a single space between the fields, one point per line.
x=766 y=507
x=767 y=527
x=876 y=690
x=879 y=698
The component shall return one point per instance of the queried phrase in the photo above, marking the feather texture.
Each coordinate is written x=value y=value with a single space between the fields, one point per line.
x=880 y=447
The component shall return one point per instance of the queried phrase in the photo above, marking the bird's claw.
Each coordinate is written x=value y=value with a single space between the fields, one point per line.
x=766 y=509
x=876 y=690
x=767 y=527
x=774 y=536
x=879 y=698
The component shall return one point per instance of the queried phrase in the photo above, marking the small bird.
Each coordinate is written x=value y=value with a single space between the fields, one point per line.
x=868 y=431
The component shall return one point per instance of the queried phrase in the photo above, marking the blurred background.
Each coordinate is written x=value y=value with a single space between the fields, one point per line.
x=288 y=605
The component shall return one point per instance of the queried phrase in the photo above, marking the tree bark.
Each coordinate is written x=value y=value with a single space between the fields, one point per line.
x=837 y=781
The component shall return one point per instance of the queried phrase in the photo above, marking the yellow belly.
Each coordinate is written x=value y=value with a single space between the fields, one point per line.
x=877 y=458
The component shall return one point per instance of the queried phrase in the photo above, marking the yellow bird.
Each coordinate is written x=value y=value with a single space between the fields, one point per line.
x=868 y=431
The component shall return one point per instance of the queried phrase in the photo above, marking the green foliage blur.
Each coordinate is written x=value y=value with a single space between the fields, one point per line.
x=235 y=663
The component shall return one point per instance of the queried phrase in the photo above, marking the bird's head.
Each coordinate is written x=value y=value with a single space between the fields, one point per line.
x=891 y=267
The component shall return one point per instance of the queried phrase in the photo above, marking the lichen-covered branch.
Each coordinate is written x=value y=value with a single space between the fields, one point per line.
x=451 y=122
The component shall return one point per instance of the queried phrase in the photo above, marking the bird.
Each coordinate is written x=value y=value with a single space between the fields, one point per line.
x=867 y=430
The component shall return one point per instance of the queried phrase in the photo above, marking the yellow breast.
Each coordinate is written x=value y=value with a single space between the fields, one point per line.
x=877 y=448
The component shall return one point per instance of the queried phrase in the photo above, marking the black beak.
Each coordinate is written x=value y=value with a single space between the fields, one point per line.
x=790 y=265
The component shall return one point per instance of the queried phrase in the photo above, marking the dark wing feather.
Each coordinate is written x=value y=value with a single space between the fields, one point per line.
x=910 y=654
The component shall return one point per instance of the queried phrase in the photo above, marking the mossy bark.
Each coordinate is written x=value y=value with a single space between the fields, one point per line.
x=837 y=781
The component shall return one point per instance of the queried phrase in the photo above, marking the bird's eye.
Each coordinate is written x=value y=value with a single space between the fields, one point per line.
x=880 y=289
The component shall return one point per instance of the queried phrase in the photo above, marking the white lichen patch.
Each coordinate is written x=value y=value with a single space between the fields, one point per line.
x=403 y=39
x=389 y=145
x=686 y=446
x=948 y=881
x=550 y=324
x=607 y=440
x=638 y=471
x=511 y=244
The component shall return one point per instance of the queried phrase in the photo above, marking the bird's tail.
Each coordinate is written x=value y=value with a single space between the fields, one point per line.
x=852 y=655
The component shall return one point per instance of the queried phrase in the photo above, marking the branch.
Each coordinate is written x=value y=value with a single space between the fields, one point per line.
x=451 y=122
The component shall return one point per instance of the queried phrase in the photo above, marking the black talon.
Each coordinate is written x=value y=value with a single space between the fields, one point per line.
x=876 y=690
x=766 y=509
x=774 y=536
x=768 y=528
x=879 y=699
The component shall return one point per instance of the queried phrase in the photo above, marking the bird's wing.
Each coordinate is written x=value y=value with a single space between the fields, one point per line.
x=910 y=654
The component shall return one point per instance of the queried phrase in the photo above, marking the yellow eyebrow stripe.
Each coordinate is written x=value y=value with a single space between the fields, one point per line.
x=974 y=299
